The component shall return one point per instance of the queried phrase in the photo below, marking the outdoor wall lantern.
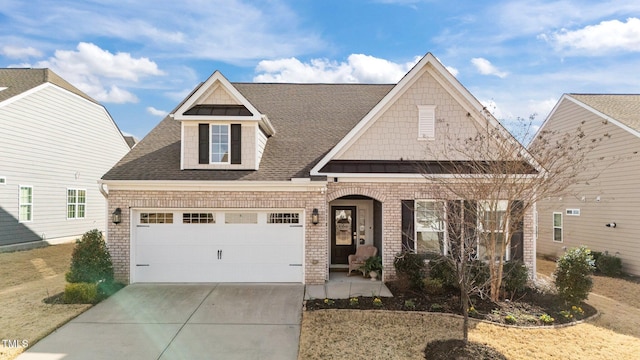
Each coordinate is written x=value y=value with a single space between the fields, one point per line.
x=116 y=216
x=611 y=224
x=314 y=217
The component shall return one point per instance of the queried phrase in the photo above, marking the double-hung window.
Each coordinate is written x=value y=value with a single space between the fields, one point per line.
x=25 y=203
x=76 y=203
x=430 y=229
x=493 y=229
x=219 y=144
x=557 y=226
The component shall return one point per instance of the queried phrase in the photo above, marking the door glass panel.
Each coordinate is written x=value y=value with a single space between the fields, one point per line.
x=343 y=220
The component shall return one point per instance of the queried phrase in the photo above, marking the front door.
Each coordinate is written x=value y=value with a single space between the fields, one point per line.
x=343 y=233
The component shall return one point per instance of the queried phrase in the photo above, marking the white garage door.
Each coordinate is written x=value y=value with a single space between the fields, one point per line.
x=217 y=246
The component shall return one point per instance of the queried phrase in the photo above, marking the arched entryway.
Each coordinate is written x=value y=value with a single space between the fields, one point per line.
x=354 y=220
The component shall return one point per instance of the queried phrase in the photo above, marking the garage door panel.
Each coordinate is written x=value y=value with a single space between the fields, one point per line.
x=218 y=252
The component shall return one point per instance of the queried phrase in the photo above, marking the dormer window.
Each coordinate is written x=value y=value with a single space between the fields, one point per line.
x=219 y=144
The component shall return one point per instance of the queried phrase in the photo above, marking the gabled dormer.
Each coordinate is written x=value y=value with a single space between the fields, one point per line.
x=221 y=129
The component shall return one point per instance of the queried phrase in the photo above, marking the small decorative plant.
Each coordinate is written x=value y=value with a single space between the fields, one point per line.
x=546 y=319
x=472 y=311
x=377 y=302
x=510 y=319
x=409 y=304
x=374 y=263
x=353 y=301
x=329 y=301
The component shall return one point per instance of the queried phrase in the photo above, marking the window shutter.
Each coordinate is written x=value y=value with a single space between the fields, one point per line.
x=471 y=225
x=236 y=143
x=426 y=121
x=517 y=237
x=408 y=219
x=203 y=143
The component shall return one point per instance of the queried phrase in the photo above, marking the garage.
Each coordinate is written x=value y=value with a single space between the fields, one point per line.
x=217 y=245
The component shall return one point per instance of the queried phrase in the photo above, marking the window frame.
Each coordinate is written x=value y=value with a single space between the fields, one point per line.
x=554 y=227
x=76 y=204
x=211 y=144
x=28 y=204
x=499 y=228
x=443 y=221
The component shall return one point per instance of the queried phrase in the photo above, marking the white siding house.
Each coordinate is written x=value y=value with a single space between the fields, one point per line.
x=56 y=143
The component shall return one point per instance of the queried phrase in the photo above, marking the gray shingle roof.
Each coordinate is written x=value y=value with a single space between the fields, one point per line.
x=309 y=119
x=622 y=107
x=18 y=81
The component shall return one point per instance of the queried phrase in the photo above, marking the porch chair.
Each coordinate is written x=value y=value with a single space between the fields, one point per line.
x=358 y=259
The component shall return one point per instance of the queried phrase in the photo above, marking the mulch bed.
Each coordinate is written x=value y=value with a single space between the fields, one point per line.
x=456 y=350
x=524 y=310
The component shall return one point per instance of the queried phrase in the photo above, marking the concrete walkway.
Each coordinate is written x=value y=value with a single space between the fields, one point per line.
x=341 y=286
x=183 y=321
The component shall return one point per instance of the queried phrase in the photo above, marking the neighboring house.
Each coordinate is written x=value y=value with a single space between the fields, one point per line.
x=252 y=182
x=56 y=143
x=586 y=214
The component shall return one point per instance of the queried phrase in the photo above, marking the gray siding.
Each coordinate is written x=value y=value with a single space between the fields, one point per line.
x=617 y=186
x=54 y=140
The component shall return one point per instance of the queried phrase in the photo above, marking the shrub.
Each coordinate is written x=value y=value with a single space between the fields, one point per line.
x=443 y=269
x=90 y=261
x=515 y=276
x=480 y=274
x=609 y=265
x=433 y=286
x=573 y=275
x=410 y=267
x=80 y=293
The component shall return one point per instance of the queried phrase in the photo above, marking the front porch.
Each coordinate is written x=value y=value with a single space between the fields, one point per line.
x=341 y=286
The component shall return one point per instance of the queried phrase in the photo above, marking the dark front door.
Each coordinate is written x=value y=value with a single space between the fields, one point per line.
x=343 y=233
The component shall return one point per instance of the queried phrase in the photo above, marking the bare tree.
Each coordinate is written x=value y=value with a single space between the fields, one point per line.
x=496 y=183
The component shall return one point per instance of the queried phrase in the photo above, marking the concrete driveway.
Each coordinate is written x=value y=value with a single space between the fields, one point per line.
x=183 y=321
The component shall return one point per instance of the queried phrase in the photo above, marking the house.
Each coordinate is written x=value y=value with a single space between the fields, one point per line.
x=602 y=212
x=56 y=144
x=253 y=182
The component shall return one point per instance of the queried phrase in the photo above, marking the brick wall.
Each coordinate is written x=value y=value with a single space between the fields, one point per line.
x=316 y=250
x=316 y=236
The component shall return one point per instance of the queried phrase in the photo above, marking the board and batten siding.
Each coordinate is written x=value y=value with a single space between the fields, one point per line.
x=54 y=140
x=612 y=195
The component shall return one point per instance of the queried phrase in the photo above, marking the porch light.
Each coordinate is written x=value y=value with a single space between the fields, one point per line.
x=314 y=217
x=116 y=216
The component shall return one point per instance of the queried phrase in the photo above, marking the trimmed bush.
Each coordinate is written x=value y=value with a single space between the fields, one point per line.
x=433 y=286
x=410 y=268
x=80 y=293
x=609 y=265
x=515 y=276
x=443 y=269
x=573 y=275
x=90 y=261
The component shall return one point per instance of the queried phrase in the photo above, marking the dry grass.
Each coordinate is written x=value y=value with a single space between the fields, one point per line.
x=353 y=334
x=31 y=276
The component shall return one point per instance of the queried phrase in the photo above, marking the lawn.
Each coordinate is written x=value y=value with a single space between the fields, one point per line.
x=355 y=334
x=28 y=278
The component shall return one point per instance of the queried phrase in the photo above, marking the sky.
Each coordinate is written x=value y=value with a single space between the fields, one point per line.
x=141 y=58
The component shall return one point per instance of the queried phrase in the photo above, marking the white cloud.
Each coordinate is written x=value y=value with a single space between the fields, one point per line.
x=100 y=73
x=600 y=39
x=15 y=52
x=358 y=68
x=155 y=112
x=485 y=67
x=452 y=70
